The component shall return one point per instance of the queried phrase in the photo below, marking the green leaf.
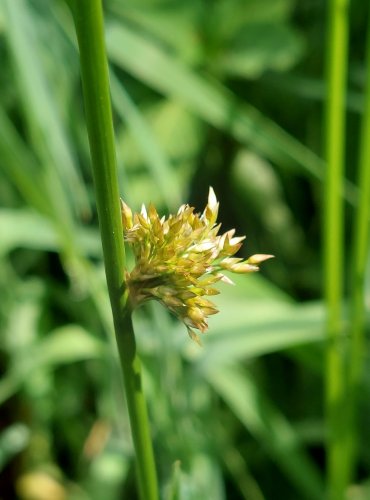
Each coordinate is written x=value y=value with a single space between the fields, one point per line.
x=249 y=329
x=68 y=344
x=25 y=228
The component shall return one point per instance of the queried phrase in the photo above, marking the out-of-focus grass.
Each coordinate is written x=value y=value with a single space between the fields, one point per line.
x=242 y=416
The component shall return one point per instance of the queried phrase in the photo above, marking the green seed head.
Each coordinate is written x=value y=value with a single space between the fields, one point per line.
x=178 y=260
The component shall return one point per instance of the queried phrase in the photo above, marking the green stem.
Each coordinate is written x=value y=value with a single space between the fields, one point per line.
x=333 y=245
x=359 y=261
x=88 y=18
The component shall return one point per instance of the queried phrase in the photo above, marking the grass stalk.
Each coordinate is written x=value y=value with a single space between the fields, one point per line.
x=333 y=244
x=359 y=261
x=88 y=19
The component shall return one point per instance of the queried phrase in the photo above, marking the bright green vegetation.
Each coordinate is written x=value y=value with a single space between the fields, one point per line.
x=230 y=94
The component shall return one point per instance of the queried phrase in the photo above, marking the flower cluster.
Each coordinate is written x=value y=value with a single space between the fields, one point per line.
x=179 y=259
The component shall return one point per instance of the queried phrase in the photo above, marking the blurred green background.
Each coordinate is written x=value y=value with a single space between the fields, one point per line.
x=227 y=93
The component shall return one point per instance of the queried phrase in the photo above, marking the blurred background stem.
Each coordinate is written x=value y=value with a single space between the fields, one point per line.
x=88 y=18
x=358 y=267
x=336 y=67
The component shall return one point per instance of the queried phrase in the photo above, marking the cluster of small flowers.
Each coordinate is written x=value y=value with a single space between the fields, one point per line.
x=179 y=259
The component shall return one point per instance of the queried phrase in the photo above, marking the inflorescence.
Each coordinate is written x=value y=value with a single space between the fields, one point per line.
x=179 y=259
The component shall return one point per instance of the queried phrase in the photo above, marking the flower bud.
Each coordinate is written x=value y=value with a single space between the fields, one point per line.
x=126 y=214
x=258 y=258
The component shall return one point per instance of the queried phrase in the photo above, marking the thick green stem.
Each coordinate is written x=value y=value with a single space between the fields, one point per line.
x=88 y=18
x=333 y=245
x=358 y=267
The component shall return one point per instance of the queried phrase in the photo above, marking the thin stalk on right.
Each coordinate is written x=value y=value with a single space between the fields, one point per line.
x=333 y=245
x=358 y=266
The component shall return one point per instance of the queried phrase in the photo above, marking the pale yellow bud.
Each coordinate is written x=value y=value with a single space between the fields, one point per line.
x=211 y=210
x=243 y=267
x=258 y=258
x=126 y=214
